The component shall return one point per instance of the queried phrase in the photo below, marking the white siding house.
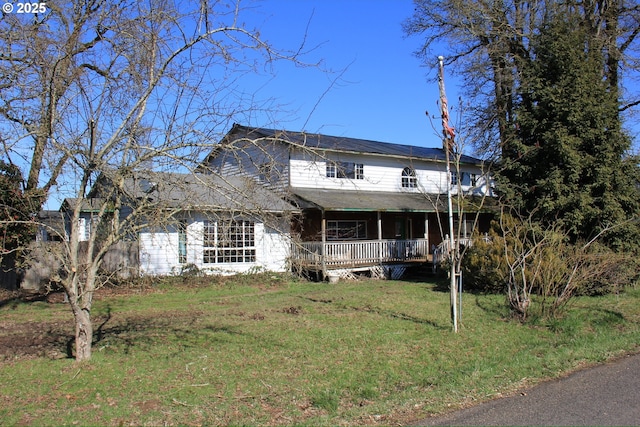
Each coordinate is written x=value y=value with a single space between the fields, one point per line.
x=86 y=222
x=288 y=160
x=277 y=200
x=365 y=204
x=256 y=247
x=219 y=225
x=215 y=224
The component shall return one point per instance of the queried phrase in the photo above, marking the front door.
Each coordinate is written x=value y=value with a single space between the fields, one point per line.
x=404 y=229
x=401 y=229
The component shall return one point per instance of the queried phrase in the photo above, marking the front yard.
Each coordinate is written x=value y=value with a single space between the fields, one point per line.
x=270 y=350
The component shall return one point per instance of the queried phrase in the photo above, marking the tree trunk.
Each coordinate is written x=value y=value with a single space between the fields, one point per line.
x=84 y=334
x=81 y=308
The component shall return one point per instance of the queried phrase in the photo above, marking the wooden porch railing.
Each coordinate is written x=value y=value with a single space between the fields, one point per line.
x=442 y=250
x=357 y=253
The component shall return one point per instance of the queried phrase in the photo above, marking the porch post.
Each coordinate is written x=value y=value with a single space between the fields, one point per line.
x=426 y=226
x=426 y=231
x=464 y=224
x=323 y=251
x=380 y=236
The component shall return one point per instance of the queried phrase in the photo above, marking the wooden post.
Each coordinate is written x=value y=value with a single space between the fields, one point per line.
x=380 y=255
x=323 y=250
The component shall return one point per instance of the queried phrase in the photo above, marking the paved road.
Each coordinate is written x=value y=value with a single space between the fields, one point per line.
x=607 y=395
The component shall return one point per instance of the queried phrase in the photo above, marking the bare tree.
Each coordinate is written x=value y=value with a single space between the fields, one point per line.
x=489 y=42
x=96 y=92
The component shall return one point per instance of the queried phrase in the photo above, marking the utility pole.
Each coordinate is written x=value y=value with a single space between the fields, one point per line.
x=448 y=134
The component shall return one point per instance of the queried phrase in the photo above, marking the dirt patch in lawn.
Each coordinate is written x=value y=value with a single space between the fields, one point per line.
x=54 y=339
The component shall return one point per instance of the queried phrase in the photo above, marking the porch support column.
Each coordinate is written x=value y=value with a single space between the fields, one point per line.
x=380 y=236
x=323 y=251
x=464 y=225
x=426 y=229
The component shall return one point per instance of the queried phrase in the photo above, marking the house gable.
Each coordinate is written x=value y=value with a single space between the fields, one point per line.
x=251 y=152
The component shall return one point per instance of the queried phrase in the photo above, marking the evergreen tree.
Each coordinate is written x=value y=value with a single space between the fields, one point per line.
x=567 y=161
x=16 y=214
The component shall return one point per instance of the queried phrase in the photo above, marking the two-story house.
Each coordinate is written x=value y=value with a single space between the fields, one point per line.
x=365 y=205
x=324 y=206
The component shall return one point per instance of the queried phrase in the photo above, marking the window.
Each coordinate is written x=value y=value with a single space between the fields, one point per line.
x=345 y=170
x=228 y=241
x=209 y=243
x=409 y=179
x=84 y=229
x=182 y=242
x=346 y=230
x=474 y=179
x=86 y=226
x=331 y=170
x=454 y=178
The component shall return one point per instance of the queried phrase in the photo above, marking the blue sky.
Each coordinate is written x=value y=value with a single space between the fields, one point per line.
x=385 y=90
x=383 y=93
x=376 y=89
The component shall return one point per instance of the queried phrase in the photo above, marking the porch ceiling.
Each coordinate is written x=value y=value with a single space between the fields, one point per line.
x=335 y=200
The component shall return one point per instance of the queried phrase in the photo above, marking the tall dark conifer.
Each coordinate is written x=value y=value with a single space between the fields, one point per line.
x=568 y=160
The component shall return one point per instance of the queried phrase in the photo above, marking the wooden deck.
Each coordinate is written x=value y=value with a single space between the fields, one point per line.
x=319 y=256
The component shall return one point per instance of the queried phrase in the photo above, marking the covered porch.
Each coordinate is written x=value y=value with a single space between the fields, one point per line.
x=382 y=234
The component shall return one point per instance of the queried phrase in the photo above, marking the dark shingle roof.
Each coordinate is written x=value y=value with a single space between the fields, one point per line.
x=336 y=200
x=52 y=221
x=90 y=204
x=344 y=200
x=194 y=191
x=185 y=191
x=350 y=145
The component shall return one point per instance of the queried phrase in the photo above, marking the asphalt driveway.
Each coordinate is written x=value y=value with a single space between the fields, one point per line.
x=606 y=395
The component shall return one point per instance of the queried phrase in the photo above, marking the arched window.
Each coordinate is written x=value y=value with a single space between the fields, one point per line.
x=409 y=179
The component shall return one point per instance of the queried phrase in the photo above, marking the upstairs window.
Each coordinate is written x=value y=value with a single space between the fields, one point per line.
x=409 y=179
x=454 y=178
x=347 y=170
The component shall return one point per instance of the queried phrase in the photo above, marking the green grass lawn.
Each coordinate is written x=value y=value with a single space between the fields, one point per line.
x=267 y=350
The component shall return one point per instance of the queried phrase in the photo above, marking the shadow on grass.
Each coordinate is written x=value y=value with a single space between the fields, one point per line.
x=491 y=306
x=380 y=312
x=603 y=317
x=609 y=317
x=56 y=339
x=403 y=316
x=183 y=329
x=442 y=284
x=14 y=298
